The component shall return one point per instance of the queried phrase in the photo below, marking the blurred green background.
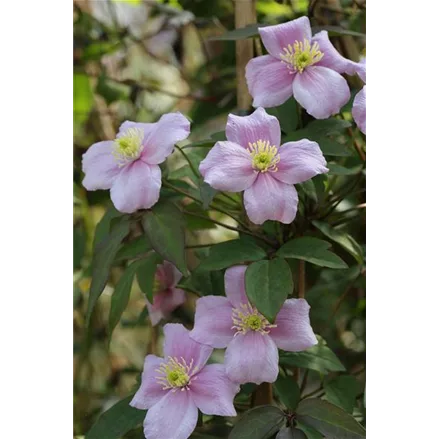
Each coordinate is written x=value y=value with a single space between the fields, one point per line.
x=136 y=60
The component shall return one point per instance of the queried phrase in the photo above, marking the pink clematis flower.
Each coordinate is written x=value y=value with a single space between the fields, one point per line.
x=252 y=342
x=129 y=165
x=302 y=65
x=359 y=105
x=175 y=387
x=253 y=160
x=166 y=296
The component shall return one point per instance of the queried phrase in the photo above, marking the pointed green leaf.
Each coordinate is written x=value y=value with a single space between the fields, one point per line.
x=288 y=391
x=133 y=249
x=207 y=193
x=342 y=391
x=145 y=274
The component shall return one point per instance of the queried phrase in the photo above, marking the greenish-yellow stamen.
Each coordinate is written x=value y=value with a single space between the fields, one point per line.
x=246 y=318
x=129 y=146
x=176 y=374
x=301 y=55
x=264 y=156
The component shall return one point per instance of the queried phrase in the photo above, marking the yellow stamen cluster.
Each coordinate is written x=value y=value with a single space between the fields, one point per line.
x=129 y=146
x=301 y=55
x=246 y=318
x=264 y=156
x=176 y=374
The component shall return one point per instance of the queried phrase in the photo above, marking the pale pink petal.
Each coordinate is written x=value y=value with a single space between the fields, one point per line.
x=331 y=58
x=228 y=167
x=179 y=344
x=213 y=392
x=99 y=166
x=136 y=187
x=174 y=297
x=270 y=199
x=234 y=284
x=321 y=91
x=252 y=358
x=243 y=130
x=169 y=274
x=173 y=417
x=276 y=38
x=213 y=321
x=154 y=311
x=269 y=81
x=293 y=332
x=170 y=129
x=300 y=161
x=361 y=69
x=359 y=109
x=147 y=128
x=150 y=391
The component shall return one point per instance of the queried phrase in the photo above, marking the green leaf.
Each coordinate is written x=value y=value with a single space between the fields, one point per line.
x=312 y=250
x=268 y=284
x=207 y=193
x=164 y=227
x=207 y=282
x=309 y=189
x=82 y=98
x=319 y=358
x=102 y=260
x=121 y=295
x=342 y=391
x=230 y=253
x=309 y=431
x=111 y=91
x=258 y=423
x=287 y=433
x=288 y=391
x=327 y=127
x=342 y=238
x=133 y=249
x=331 y=421
x=116 y=421
x=336 y=31
x=103 y=227
x=238 y=34
x=145 y=274
x=287 y=114
x=335 y=169
x=218 y=136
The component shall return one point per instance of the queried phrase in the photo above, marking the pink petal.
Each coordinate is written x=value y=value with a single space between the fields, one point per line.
x=174 y=298
x=293 y=332
x=321 y=91
x=275 y=38
x=243 y=130
x=155 y=313
x=270 y=199
x=300 y=161
x=213 y=392
x=234 y=284
x=164 y=303
x=252 y=358
x=359 y=109
x=136 y=187
x=168 y=274
x=150 y=392
x=170 y=129
x=269 y=81
x=228 y=167
x=173 y=417
x=361 y=69
x=147 y=128
x=99 y=166
x=179 y=344
x=213 y=322
x=331 y=58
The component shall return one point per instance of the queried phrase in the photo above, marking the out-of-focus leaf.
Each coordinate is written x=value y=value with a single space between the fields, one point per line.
x=82 y=98
x=336 y=31
x=286 y=433
x=287 y=114
x=310 y=432
x=335 y=169
x=288 y=391
x=239 y=34
x=342 y=391
x=309 y=189
x=207 y=193
x=97 y=49
x=111 y=91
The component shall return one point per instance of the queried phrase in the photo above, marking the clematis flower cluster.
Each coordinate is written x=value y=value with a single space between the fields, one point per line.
x=254 y=161
x=166 y=296
x=173 y=388
x=129 y=165
x=300 y=65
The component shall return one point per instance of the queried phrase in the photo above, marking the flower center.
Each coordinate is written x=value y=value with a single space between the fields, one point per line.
x=129 y=146
x=176 y=374
x=246 y=318
x=301 y=55
x=265 y=156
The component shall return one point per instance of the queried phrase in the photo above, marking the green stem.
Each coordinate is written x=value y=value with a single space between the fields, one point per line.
x=194 y=169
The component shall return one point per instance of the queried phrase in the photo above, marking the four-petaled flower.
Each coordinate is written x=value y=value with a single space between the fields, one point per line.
x=302 y=65
x=175 y=387
x=129 y=165
x=252 y=342
x=253 y=160
x=166 y=296
x=359 y=105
